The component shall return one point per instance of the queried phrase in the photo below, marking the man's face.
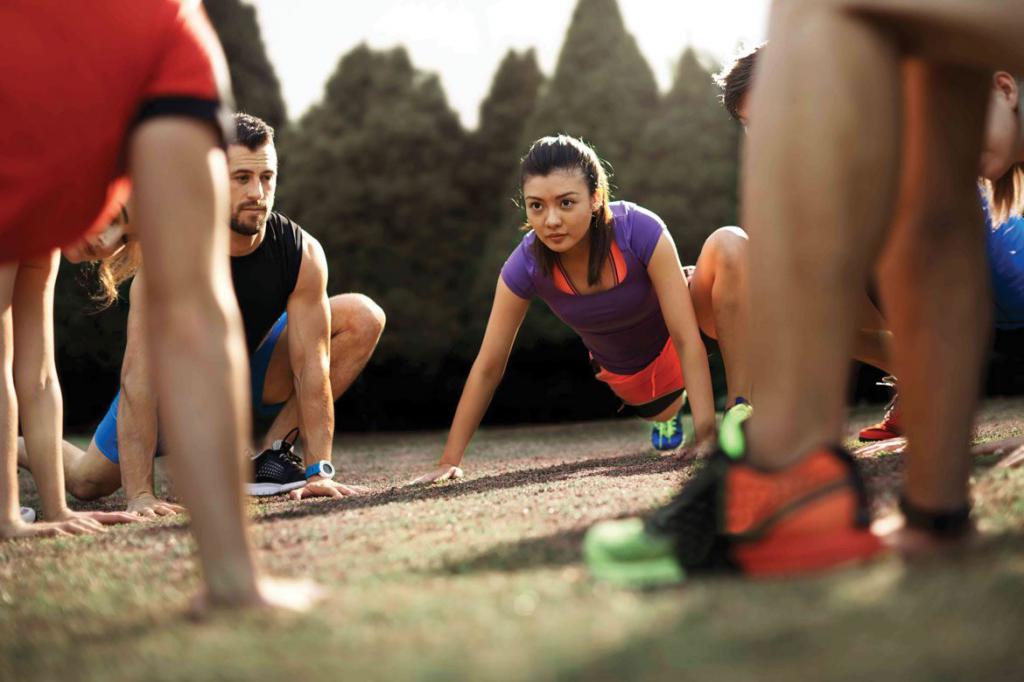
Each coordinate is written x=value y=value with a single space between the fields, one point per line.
x=253 y=183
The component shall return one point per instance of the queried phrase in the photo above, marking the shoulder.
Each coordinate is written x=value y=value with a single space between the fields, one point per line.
x=633 y=218
x=522 y=256
x=520 y=267
x=281 y=224
x=638 y=228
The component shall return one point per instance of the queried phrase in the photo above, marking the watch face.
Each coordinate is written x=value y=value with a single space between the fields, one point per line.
x=327 y=469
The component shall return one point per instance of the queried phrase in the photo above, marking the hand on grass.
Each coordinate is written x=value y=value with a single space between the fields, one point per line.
x=19 y=529
x=325 y=487
x=68 y=523
x=442 y=473
x=149 y=507
x=96 y=519
x=700 y=449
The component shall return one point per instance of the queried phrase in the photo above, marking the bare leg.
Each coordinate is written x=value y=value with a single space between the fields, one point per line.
x=195 y=337
x=819 y=189
x=719 y=287
x=9 y=511
x=873 y=343
x=357 y=323
x=934 y=274
x=669 y=412
x=88 y=475
x=860 y=77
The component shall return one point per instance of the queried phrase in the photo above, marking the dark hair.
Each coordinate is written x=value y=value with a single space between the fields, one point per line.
x=735 y=80
x=567 y=153
x=252 y=132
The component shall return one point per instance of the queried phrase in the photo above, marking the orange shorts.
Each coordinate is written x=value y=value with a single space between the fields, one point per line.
x=657 y=380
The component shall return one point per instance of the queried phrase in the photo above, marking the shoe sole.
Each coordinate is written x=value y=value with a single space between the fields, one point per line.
x=271 y=489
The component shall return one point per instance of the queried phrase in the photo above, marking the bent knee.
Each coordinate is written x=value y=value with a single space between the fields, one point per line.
x=359 y=314
x=88 y=487
x=729 y=248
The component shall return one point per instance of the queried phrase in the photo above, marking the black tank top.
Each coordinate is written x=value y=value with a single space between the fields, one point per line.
x=265 y=278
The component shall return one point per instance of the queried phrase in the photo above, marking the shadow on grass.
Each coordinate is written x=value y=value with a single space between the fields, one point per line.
x=626 y=465
x=952 y=617
x=557 y=549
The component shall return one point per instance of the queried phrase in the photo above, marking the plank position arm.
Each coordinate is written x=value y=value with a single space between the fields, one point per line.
x=507 y=315
x=666 y=275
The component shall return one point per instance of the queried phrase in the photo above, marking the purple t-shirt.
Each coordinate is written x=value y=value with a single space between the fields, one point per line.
x=623 y=327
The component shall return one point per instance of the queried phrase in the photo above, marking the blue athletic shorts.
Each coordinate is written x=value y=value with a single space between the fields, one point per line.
x=106 y=432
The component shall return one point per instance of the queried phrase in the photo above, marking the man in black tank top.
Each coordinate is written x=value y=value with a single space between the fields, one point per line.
x=305 y=350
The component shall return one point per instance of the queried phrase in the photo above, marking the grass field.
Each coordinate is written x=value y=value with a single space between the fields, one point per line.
x=482 y=579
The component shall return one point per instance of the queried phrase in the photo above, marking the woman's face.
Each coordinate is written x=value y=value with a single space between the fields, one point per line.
x=102 y=244
x=559 y=207
x=1003 y=129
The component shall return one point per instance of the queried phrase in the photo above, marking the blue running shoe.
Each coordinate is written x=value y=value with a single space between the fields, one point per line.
x=668 y=435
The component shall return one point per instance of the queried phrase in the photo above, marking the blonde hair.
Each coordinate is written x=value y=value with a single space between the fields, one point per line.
x=112 y=272
x=115 y=270
x=1006 y=195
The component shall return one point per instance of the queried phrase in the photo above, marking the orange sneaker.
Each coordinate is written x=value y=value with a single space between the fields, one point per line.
x=808 y=517
x=891 y=425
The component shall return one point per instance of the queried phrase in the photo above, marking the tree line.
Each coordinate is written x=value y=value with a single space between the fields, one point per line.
x=419 y=213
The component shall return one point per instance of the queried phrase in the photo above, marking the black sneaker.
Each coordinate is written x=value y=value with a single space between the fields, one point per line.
x=278 y=469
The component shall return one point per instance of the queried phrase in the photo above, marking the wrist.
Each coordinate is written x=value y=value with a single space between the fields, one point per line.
x=320 y=470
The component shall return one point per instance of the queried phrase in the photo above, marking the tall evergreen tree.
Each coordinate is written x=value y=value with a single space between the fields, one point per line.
x=489 y=173
x=603 y=89
x=256 y=87
x=494 y=148
x=373 y=170
x=690 y=149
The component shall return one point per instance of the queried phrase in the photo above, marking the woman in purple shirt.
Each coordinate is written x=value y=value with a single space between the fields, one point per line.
x=611 y=272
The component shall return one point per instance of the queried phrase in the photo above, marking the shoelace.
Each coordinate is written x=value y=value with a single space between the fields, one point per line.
x=291 y=456
x=666 y=429
x=890 y=382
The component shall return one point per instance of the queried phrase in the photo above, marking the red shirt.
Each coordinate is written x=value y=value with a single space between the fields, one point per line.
x=75 y=78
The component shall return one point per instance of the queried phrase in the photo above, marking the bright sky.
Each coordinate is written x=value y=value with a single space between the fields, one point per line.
x=464 y=40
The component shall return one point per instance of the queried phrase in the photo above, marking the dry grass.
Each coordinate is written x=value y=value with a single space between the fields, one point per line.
x=482 y=579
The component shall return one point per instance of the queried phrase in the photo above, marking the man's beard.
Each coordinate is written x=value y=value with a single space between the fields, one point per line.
x=244 y=230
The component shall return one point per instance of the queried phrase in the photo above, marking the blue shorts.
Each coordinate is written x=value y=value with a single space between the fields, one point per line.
x=106 y=432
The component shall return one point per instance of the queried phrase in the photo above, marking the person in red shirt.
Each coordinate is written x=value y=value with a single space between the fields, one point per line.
x=94 y=96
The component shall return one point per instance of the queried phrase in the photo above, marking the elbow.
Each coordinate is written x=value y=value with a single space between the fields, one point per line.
x=35 y=387
x=489 y=371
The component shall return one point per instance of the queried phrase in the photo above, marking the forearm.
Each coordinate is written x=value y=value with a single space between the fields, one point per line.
x=136 y=437
x=476 y=397
x=42 y=419
x=316 y=412
x=694 y=362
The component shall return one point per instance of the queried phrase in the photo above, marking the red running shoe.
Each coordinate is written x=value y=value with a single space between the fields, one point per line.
x=891 y=425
